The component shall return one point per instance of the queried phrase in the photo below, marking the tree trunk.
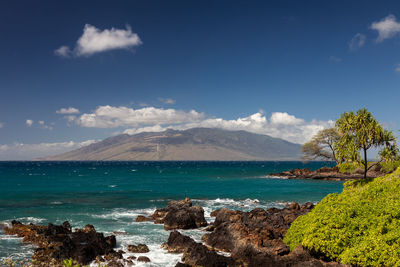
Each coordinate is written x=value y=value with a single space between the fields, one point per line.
x=365 y=163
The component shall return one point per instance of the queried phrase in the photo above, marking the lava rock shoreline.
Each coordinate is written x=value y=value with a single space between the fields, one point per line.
x=328 y=173
x=235 y=238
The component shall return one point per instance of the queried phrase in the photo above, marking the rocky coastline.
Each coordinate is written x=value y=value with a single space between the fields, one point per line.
x=235 y=238
x=328 y=173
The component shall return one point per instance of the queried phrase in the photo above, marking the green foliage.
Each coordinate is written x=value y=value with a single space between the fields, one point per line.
x=389 y=166
x=71 y=263
x=348 y=167
x=360 y=226
x=360 y=131
x=321 y=146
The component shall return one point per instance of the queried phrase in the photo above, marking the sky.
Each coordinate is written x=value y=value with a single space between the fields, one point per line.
x=76 y=72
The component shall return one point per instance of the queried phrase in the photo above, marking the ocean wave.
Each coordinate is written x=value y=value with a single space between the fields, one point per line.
x=124 y=213
x=270 y=177
x=33 y=220
x=247 y=204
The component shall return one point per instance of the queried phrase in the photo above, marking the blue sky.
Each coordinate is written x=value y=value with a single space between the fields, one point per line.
x=284 y=68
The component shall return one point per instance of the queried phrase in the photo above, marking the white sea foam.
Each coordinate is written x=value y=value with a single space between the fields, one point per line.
x=124 y=213
x=248 y=204
x=271 y=177
x=33 y=220
x=56 y=203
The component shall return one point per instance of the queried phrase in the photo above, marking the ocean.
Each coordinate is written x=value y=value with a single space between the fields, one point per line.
x=110 y=195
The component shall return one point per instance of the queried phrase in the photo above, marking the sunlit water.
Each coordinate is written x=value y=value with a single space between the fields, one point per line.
x=110 y=195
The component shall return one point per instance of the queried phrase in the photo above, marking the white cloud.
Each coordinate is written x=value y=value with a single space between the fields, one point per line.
x=29 y=123
x=63 y=51
x=151 y=119
x=169 y=101
x=21 y=151
x=335 y=59
x=387 y=28
x=285 y=118
x=69 y=110
x=94 y=40
x=112 y=117
x=155 y=128
x=357 y=41
x=1 y=125
x=280 y=125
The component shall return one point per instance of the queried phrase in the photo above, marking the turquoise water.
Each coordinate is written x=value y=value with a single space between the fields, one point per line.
x=110 y=195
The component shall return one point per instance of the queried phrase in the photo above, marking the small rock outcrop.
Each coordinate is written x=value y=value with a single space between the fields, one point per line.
x=141 y=248
x=180 y=215
x=195 y=254
x=143 y=259
x=263 y=230
x=141 y=218
x=58 y=242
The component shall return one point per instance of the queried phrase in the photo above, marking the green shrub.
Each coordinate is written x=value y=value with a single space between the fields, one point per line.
x=348 y=167
x=360 y=226
x=389 y=166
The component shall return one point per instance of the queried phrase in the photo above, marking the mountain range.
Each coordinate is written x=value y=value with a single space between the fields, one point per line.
x=187 y=145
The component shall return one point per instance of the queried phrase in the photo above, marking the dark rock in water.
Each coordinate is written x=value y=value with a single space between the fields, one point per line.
x=195 y=254
x=141 y=248
x=180 y=264
x=180 y=215
x=261 y=229
x=113 y=256
x=141 y=218
x=255 y=238
x=57 y=242
x=178 y=243
x=143 y=259
x=214 y=213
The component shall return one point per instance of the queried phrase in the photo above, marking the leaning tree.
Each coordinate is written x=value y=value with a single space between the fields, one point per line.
x=321 y=146
x=360 y=131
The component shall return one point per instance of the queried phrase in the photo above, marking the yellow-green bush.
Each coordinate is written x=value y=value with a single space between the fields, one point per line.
x=359 y=226
x=348 y=167
x=389 y=166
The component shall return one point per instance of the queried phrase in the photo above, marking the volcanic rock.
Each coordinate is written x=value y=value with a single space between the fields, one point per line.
x=143 y=259
x=141 y=248
x=57 y=242
x=180 y=215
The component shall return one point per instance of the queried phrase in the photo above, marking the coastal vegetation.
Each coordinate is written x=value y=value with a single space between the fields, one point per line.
x=359 y=226
x=321 y=146
x=355 y=133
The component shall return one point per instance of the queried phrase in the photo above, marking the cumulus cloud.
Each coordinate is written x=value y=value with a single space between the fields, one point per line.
x=151 y=119
x=357 y=41
x=29 y=123
x=169 y=101
x=280 y=125
x=387 y=28
x=112 y=117
x=21 y=151
x=94 y=40
x=69 y=110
